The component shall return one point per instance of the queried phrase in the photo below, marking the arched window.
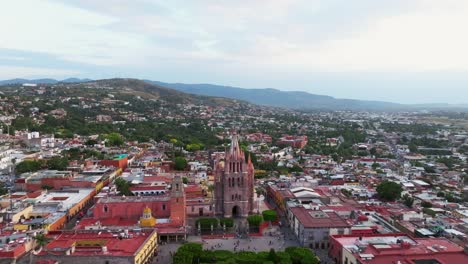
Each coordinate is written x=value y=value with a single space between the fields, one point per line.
x=164 y=207
x=106 y=209
x=177 y=186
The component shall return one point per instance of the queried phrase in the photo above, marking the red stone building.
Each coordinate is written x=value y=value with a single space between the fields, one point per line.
x=293 y=141
x=234 y=183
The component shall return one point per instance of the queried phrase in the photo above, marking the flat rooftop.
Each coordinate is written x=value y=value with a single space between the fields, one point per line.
x=65 y=199
x=96 y=243
x=398 y=247
x=318 y=219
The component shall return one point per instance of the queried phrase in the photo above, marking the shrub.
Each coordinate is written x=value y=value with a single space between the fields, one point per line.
x=270 y=215
x=207 y=222
x=229 y=222
x=255 y=220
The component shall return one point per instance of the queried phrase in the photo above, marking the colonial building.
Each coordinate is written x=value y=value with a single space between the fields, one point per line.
x=234 y=183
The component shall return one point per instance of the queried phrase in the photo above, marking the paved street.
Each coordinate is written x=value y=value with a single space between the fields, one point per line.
x=164 y=253
x=232 y=244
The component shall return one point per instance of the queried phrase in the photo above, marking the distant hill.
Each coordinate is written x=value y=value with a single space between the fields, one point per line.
x=267 y=96
x=43 y=81
x=286 y=99
x=154 y=91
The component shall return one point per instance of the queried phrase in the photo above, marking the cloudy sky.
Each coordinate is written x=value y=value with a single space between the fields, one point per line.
x=410 y=51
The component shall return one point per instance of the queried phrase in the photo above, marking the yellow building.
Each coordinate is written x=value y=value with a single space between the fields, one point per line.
x=147 y=220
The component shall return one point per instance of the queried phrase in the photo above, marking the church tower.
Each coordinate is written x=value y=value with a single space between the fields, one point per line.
x=178 y=200
x=234 y=183
x=147 y=219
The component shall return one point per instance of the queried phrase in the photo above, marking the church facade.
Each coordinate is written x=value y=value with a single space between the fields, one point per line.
x=234 y=183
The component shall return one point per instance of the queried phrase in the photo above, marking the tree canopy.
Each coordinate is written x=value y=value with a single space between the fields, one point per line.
x=193 y=253
x=270 y=215
x=255 y=220
x=57 y=163
x=389 y=191
x=28 y=166
x=123 y=187
x=114 y=139
x=180 y=163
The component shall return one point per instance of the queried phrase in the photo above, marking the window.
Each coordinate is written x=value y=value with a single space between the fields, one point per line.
x=233 y=197
x=242 y=182
x=238 y=182
x=106 y=209
x=164 y=207
x=193 y=208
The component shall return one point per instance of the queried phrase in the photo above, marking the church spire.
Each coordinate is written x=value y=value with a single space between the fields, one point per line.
x=235 y=152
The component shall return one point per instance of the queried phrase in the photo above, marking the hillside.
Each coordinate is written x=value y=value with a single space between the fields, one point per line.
x=218 y=94
x=43 y=81
x=154 y=91
x=273 y=97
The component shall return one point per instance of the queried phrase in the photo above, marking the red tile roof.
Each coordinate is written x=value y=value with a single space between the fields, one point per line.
x=330 y=219
x=115 y=246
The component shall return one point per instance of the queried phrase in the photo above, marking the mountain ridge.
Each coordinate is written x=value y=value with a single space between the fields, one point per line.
x=299 y=100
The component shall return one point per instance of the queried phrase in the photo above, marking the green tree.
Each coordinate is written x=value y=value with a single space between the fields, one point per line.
x=3 y=190
x=114 y=139
x=270 y=215
x=90 y=142
x=180 y=163
x=408 y=201
x=389 y=191
x=57 y=163
x=255 y=220
x=301 y=255
x=211 y=189
x=123 y=187
x=272 y=256
x=229 y=222
x=41 y=240
x=28 y=166
x=426 y=204
x=185 y=180
x=375 y=165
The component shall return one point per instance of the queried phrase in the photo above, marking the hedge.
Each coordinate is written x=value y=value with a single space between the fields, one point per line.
x=255 y=220
x=207 y=222
x=229 y=222
x=270 y=215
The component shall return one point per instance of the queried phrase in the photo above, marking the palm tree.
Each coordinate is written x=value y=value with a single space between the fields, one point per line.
x=40 y=240
x=211 y=189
